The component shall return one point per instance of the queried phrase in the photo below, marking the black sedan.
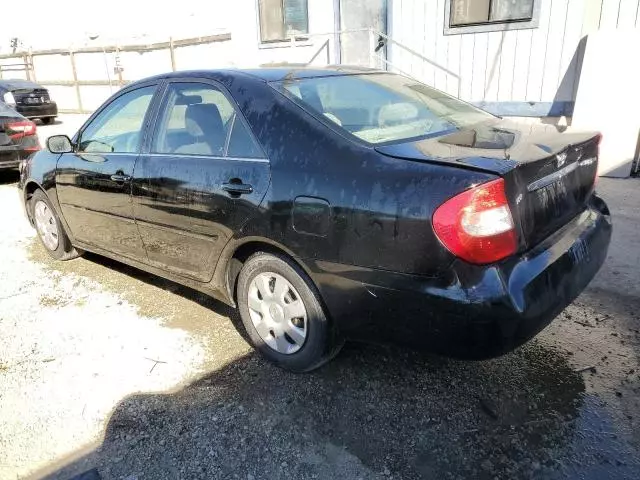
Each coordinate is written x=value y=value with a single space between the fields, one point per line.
x=329 y=204
x=29 y=99
x=18 y=138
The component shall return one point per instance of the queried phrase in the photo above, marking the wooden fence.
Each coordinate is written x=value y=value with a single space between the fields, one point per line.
x=33 y=65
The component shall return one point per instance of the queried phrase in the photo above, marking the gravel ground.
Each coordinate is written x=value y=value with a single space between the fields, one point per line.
x=104 y=367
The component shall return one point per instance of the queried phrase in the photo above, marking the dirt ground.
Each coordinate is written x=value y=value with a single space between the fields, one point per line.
x=107 y=368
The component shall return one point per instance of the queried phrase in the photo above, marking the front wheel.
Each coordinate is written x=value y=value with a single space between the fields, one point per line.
x=50 y=231
x=282 y=314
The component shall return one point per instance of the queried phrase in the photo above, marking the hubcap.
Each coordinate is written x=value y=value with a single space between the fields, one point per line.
x=277 y=313
x=46 y=225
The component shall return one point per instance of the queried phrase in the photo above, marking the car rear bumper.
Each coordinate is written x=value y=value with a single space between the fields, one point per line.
x=11 y=155
x=471 y=311
x=10 y=158
x=38 y=111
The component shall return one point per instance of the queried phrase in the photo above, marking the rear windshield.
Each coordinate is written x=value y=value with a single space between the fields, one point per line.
x=383 y=107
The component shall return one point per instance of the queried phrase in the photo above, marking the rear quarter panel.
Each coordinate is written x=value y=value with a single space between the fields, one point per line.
x=380 y=208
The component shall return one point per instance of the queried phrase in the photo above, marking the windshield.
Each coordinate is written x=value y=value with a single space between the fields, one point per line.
x=383 y=107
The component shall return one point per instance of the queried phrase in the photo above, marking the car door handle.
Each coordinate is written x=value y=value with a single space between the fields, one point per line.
x=120 y=178
x=237 y=188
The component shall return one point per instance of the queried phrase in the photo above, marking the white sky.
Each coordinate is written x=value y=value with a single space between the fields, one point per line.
x=62 y=23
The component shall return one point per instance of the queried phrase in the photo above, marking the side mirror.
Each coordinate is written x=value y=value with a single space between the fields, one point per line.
x=59 y=144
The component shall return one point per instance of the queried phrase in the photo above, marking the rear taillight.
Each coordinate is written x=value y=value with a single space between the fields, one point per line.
x=20 y=129
x=476 y=225
x=9 y=99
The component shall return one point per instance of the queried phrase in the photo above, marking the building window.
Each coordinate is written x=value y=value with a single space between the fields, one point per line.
x=282 y=19
x=471 y=16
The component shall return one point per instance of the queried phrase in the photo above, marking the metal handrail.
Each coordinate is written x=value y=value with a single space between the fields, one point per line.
x=315 y=55
x=375 y=58
x=419 y=55
x=387 y=63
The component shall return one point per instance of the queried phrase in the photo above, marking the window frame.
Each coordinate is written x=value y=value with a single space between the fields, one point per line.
x=500 y=26
x=302 y=39
x=162 y=107
x=144 y=130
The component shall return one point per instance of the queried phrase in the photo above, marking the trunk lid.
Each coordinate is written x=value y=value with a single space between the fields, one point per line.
x=549 y=174
x=31 y=96
x=27 y=93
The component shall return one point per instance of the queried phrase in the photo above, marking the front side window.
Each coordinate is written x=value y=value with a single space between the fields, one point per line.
x=282 y=19
x=382 y=107
x=198 y=119
x=118 y=128
x=466 y=16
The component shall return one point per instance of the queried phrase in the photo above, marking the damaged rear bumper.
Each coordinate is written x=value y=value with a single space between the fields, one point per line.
x=471 y=311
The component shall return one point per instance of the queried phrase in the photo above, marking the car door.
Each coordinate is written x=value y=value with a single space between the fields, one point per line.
x=94 y=182
x=202 y=177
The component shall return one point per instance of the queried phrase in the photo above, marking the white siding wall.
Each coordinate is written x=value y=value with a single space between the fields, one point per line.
x=537 y=65
x=245 y=36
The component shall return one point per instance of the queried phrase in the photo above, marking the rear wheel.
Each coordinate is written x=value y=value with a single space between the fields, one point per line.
x=50 y=230
x=48 y=120
x=282 y=314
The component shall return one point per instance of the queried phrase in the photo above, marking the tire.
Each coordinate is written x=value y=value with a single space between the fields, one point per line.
x=48 y=120
x=45 y=217
x=321 y=342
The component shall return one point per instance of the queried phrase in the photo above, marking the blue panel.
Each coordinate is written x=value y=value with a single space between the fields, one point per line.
x=528 y=109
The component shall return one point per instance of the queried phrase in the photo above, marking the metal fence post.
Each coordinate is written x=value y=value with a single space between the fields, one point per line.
x=118 y=66
x=75 y=79
x=31 y=66
x=27 y=69
x=172 y=52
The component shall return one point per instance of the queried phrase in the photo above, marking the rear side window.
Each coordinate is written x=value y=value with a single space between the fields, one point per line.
x=198 y=119
x=241 y=143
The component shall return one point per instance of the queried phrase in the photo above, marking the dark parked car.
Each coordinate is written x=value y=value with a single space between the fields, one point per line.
x=18 y=138
x=29 y=99
x=329 y=204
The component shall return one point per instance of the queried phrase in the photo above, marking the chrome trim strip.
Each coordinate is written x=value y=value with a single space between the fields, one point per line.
x=552 y=178
x=206 y=157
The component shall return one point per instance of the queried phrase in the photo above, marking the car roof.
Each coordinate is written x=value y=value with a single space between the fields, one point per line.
x=17 y=83
x=291 y=72
x=270 y=73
